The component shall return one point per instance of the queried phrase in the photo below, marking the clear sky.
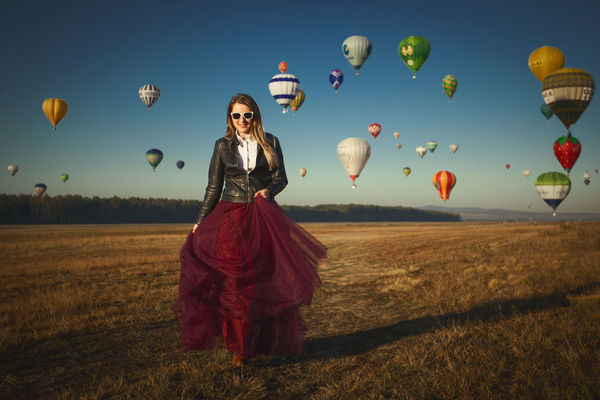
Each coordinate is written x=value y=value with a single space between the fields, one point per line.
x=96 y=55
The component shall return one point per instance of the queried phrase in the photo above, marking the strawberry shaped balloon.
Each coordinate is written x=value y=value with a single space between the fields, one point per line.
x=566 y=150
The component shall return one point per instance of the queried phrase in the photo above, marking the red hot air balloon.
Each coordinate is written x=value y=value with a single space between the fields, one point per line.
x=283 y=67
x=567 y=150
x=444 y=181
x=507 y=166
x=374 y=129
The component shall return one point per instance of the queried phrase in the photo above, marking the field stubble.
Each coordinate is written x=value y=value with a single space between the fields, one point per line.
x=405 y=311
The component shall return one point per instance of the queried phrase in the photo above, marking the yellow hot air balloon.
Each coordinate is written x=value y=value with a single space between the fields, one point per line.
x=545 y=60
x=298 y=101
x=55 y=110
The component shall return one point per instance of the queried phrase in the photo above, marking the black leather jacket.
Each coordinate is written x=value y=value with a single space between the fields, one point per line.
x=240 y=186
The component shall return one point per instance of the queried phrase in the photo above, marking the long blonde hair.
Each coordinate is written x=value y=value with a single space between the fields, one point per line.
x=257 y=131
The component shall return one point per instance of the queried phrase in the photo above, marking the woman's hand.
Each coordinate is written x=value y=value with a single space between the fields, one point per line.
x=263 y=192
x=194 y=228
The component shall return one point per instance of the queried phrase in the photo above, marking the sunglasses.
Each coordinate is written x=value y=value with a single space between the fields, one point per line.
x=246 y=115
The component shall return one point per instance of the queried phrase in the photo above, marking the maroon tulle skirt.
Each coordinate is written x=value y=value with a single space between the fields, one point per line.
x=244 y=273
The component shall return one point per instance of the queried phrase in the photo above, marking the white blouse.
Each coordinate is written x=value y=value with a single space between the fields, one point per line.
x=246 y=154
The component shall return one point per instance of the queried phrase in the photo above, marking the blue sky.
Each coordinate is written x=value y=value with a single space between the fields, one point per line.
x=96 y=55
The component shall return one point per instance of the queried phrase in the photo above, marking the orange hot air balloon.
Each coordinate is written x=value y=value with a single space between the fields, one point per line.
x=283 y=67
x=303 y=172
x=545 y=60
x=55 y=110
x=444 y=182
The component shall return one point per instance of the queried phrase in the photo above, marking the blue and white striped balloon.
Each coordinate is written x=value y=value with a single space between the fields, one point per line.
x=336 y=77
x=284 y=88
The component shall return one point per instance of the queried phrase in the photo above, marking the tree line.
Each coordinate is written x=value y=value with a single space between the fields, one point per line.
x=75 y=209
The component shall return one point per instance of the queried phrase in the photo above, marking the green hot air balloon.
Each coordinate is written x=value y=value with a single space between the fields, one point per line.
x=64 y=177
x=154 y=157
x=546 y=111
x=553 y=187
x=568 y=91
x=449 y=84
x=414 y=51
x=406 y=171
x=432 y=146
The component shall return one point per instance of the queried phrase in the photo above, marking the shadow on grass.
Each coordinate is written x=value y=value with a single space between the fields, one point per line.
x=362 y=341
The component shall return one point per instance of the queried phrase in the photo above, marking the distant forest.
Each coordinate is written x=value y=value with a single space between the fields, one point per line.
x=26 y=209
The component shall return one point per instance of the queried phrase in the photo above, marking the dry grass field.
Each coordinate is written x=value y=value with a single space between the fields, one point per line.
x=406 y=311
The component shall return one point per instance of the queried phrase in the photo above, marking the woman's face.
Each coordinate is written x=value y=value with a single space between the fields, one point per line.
x=242 y=124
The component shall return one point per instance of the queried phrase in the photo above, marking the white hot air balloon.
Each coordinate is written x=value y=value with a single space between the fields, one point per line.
x=357 y=49
x=13 y=169
x=353 y=154
x=453 y=148
x=284 y=88
x=149 y=94
x=526 y=172
x=586 y=175
x=421 y=151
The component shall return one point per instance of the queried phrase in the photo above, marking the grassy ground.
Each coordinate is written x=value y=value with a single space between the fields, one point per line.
x=406 y=311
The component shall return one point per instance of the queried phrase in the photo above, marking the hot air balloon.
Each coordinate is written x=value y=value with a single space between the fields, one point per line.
x=284 y=89
x=55 y=110
x=453 y=148
x=64 y=177
x=568 y=91
x=507 y=166
x=414 y=51
x=336 y=77
x=546 y=111
x=553 y=187
x=545 y=60
x=586 y=181
x=180 y=164
x=149 y=94
x=357 y=49
x=396 y=135
x=421 y=151
x=298 y=101
x=432 y=146
x=449 y=84
x=374 y=129
x=444 y=181
x=596 y=171
x=13 y=169
x=303 y=172
x=353 y=154
x=283 y=67
x=567 y=150
x=399 y=146
x=40 y=189
x=406 y=171
x=586 y=178
x=526 y=172
x=154 y=157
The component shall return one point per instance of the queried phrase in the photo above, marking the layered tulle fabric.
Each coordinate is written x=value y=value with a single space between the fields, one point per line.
x=244 y=273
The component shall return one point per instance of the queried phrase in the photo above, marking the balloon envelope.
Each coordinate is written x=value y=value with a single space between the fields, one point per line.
x=586 y=175
x=432 y=146
x=507 y=166
x=444 y=181
x=353 y=154
x=298 y=101
x=13 y=169
x=284 y=89
x=567 y=150
x=545 y=60
x=396 y=135
x=154 y=157
x=55 y=110
x=553 y=187
x=149 y=94
x=421 y=151
x=449 y=84
x=40 y=189
x=336 y=77
x=357 y=49
x=64 y=177
x=453 y=148
x=568 y=91
x=414 y=51
x=546 y=111
x=374 y=130
x=303 y=172
x=283 y=67
x=406 y=171
x=526 y=172
x=180 y=164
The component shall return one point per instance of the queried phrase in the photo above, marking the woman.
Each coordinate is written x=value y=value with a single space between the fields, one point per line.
x=246 y=267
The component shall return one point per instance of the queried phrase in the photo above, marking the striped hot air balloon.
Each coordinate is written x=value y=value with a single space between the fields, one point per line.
x=353 y=154
x=414 y=51
x=444 y=181
x=357 y=49
x=432 y=146
x=55 y=110
x=553 y=188
x=154 y=157
x=40 y=189
x=298 y=101
x=449 y=84
x=149 y=94
x=546 y=112
x=336 y=77
x=568 y=91
x=13 y=169
x=284 y=89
